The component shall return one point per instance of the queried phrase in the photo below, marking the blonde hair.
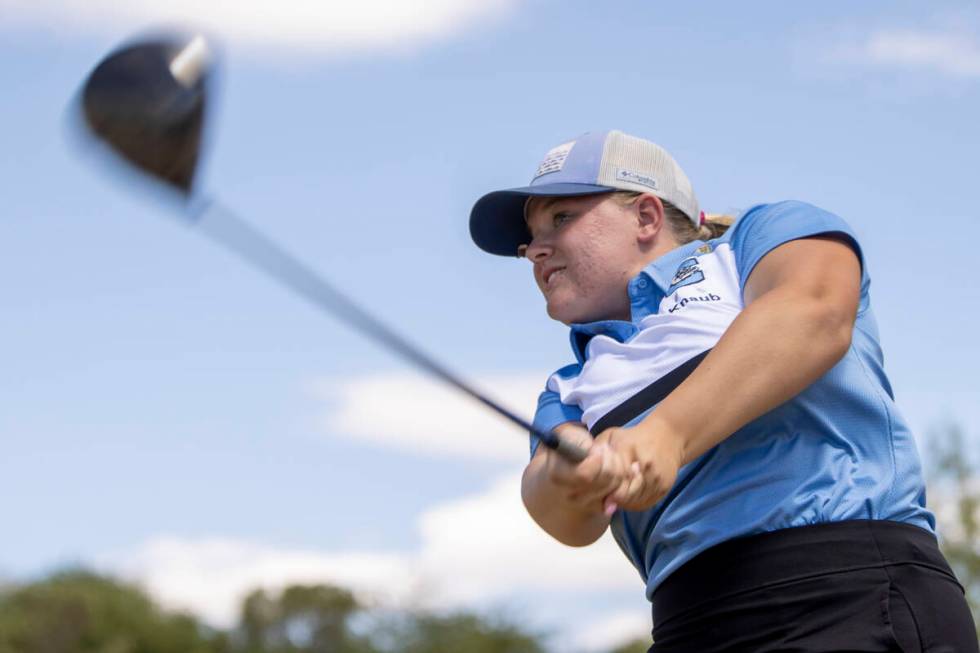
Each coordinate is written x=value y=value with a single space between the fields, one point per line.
x=681 y=226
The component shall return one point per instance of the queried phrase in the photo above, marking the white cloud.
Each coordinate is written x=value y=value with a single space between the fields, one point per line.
x=490 y=541
x=950 y=53
x=474 y=551
x=945 y=51
x=613 y=630
x=412 y=412
x=211 y=576
x=330 y=26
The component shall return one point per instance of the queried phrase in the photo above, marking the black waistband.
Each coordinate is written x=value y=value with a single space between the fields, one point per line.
x=755 y=561
x=649 y=396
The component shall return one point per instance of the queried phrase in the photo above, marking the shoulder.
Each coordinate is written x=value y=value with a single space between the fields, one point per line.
x=764 y=227
x=788 y=218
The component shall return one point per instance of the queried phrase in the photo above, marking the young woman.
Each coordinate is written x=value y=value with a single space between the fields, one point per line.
x=745 y=446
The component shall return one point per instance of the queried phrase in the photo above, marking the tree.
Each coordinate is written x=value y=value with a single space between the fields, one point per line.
x=81 y=611
x=302 y=619
x=460 y=631
x=955 y=497
x=636 y=646
x=329 y=619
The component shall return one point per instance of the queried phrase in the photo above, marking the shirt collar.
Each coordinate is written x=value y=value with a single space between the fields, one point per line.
x=646 y=290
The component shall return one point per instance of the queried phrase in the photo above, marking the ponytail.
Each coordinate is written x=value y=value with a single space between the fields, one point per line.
x=713 y=225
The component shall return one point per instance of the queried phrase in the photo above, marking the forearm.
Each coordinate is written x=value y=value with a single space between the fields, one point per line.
x=776 y=347
x=549 y=505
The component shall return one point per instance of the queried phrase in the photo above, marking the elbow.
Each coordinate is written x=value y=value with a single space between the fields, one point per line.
x=581 y=539
x=564 y=522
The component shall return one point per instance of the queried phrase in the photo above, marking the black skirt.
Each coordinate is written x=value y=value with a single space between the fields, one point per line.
x=841 y=586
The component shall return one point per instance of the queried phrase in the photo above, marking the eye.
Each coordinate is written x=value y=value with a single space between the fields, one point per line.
x=560 y=218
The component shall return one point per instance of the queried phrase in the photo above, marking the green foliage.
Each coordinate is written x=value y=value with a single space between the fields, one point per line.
x=303 y=618
x=955 y=497
x=79 y=611
x=426 y=633
x=636 y=646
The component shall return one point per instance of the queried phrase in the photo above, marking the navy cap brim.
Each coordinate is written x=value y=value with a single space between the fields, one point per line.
x=497 y=220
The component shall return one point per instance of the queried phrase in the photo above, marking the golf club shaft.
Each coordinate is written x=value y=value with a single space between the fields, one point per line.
x=223 y=226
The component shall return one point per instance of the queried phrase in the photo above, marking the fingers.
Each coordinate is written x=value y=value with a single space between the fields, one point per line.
x=589 y=482
x=599 y=474
x=652 y=466
x=628 y=492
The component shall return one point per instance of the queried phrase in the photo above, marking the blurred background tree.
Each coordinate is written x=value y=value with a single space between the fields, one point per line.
x=954 y=495
x=303 y=618
x=636 y=646
x=461 y=631
x=80 y=611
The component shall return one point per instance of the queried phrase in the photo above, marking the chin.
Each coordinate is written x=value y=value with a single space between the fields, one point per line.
x=575 y=312
x=567 y=314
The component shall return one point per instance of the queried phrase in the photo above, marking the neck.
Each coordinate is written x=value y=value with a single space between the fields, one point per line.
x=657 y=249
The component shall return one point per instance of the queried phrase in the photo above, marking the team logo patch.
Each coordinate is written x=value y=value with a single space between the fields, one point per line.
x=689 y=272
x=554 y=160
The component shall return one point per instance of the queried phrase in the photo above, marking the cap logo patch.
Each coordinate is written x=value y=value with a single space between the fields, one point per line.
x=554 y=160
x=636 y=178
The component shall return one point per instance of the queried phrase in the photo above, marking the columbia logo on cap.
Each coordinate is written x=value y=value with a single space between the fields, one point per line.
x=636 y=178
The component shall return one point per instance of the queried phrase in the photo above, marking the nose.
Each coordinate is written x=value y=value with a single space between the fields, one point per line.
x=538 y=250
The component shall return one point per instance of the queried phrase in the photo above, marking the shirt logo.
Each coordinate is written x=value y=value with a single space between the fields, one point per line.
x=554 y=160
x=679 y=304
x=689 y=272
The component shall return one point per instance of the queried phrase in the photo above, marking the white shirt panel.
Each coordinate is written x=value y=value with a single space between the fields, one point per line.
x=689 y=321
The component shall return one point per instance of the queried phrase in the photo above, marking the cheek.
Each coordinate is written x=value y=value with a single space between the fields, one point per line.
x=596 y=270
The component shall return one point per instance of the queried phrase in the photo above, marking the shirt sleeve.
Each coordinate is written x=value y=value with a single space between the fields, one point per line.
x=551 y=412
x=763 y=228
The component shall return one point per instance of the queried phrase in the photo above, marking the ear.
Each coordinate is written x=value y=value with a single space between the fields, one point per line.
x=650 y=214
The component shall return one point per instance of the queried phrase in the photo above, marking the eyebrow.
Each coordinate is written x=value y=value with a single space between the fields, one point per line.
x=546 y=203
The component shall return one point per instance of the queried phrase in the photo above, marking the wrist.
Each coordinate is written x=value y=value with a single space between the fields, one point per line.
x=670 y=440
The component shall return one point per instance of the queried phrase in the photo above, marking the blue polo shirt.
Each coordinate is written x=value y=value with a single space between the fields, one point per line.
x=839 y=450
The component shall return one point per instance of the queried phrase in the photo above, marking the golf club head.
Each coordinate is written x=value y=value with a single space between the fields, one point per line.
x=147 y=102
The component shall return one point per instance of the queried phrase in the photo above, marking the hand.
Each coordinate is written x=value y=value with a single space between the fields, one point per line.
x=588 y=484
x=654 y=454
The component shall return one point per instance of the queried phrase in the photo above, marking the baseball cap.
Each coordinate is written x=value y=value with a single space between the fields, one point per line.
x=595 y=162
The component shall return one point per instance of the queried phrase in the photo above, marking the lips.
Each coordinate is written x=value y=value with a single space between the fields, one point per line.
x=549 y=274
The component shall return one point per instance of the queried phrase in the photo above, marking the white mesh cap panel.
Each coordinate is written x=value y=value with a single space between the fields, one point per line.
x=636 y=164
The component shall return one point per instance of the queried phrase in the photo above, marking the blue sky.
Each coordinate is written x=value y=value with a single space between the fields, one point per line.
x=171 y=415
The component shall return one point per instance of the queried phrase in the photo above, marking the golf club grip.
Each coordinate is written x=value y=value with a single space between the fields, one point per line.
x=235 y=234
x=569 y=450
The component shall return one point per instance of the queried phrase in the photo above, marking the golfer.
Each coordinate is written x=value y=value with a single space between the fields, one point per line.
x=745 y=446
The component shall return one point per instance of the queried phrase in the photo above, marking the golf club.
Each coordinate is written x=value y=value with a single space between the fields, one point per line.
x=146 y=102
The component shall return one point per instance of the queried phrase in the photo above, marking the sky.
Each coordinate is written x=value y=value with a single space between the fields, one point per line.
x=171 y=416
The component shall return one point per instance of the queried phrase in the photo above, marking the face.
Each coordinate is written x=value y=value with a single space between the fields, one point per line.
x=584 y=252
